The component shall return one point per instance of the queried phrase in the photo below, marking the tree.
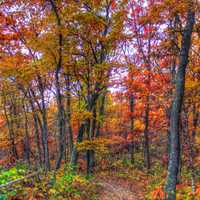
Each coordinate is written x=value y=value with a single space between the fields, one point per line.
x=177 y=106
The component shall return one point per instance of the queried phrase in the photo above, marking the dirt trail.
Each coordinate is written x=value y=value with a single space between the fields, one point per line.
x=111 y=190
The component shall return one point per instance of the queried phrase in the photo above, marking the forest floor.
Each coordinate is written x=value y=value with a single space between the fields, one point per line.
x=114 y=187
x=119 y=181
x=112 y=190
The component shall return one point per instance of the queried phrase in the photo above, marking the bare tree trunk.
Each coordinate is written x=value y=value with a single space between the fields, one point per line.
x=173 y=165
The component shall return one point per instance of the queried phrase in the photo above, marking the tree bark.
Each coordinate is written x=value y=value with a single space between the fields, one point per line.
x=44 y=126
x=74 y=156
x=195 y=120
x=9 y=122
x=68 y=114
x=101 y=114
x=189 y=147
x=36 y=130
x=146 y=136
x=60 y=107
x=37 y=139
x=173 y=165
x=61 y=124
x=27 y=149
x=132 y=145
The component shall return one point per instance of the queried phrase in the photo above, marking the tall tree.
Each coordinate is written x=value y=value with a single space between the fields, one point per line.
x=173 y=165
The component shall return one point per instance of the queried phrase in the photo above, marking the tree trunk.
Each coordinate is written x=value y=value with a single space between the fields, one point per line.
x=74 y=156
x=26 y=139
x=37 y=139
x=173 y=165
x=68 y=114
x=90 y=129
x=90 y=162
x=61 y=124
x=189 y=147
x=195 y=121
x=132 y=145
x=101 y=114
x=44 y=126
x=146 y=137
x=91 y=153
x=60 y=107
x=36 y=131
x=13 y=149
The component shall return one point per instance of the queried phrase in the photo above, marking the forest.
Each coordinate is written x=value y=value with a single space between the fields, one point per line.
x=99 y=99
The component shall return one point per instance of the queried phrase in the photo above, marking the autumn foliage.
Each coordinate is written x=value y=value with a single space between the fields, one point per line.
x=97 y=86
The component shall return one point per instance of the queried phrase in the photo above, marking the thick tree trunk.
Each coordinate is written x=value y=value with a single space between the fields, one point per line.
x=90 y=162
x=172 y=82
x=61 y=124
x=90 y=129
x=91 y=153
x=173 y=165
x=74 y=156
